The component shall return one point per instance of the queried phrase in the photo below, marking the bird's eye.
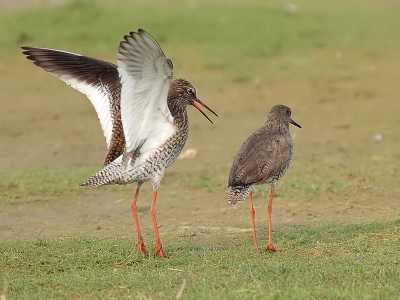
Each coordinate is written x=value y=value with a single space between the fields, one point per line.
x=190 y=91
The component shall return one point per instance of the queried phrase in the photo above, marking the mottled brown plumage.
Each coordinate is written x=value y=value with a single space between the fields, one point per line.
x=141 y=110
x=263 y=158
x=127 y=169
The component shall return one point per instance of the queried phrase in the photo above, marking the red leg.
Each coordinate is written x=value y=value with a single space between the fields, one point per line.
x=159 y=250
x=142 y=248
x=270 y=246
x=253 y=224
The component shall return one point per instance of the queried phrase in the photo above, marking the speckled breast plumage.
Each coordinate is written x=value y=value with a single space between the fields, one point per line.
x=152 y=168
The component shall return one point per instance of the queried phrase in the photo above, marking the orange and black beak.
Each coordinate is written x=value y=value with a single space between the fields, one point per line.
x=294 y=123
x=199 y=109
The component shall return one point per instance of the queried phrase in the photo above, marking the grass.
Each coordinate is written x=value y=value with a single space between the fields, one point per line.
x=320 y=262
x=303 y=181
x=38 y=183
x=241 y=39
x=225 y=47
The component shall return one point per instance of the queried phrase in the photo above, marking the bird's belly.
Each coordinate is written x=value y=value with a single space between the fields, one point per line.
x=151 y=164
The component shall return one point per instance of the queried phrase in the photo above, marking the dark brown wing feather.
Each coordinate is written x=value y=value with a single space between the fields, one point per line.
x=93 y=72
x=262 y=156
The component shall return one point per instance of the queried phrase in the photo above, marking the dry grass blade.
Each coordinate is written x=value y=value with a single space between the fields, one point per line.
x=181 y=289
x=5 y=288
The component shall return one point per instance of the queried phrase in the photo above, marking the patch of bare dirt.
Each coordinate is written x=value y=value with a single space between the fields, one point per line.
x=44 y=123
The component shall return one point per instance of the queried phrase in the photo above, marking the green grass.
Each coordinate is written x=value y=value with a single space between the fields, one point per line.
x=36 y=184
x=240 y=39
x=302 y=182
x=44 y=183
x=231 y=43
x=321 y=262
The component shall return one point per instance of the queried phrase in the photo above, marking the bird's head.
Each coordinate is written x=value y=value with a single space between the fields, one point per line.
x=279 y=115
x=185 y=94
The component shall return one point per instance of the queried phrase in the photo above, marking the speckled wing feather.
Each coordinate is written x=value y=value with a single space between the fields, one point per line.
x=146 y=75
x=97 y=79
x=257 y=162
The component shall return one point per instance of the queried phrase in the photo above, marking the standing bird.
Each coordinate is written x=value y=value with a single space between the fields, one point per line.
x=142 y=112
x=263 y=158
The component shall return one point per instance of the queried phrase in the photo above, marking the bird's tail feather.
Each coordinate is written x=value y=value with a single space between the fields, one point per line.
x=110 y=174
x=238 y=193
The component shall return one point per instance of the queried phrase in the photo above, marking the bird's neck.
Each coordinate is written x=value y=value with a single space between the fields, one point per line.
x=277 y=127
x=178 y=112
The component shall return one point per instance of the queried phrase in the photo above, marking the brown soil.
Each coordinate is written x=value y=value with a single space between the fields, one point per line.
x=44 y=123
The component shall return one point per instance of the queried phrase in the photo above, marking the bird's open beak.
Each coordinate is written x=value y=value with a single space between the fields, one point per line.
x=199 y=109
x=294 y=123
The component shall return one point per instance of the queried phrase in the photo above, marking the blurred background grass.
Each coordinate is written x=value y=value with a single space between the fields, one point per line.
x=336 y=64
x=239 y=40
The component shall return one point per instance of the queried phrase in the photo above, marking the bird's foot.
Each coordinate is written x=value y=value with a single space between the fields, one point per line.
x=270 y=247
x=142 y=248
x=160 y=251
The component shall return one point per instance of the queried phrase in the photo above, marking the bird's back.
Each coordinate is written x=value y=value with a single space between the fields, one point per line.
x=264 y=157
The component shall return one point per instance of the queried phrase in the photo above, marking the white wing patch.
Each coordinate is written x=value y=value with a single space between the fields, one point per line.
x=99 y=97
x=146 y=76
x=84 y=74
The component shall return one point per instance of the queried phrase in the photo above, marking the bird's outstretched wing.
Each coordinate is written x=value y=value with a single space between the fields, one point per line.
x=146 y=75
x=97 y=79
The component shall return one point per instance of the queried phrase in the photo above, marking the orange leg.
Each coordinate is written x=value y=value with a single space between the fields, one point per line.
x=253 y=224
x=142 y=248
x=270 y=246
x=159 y=250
